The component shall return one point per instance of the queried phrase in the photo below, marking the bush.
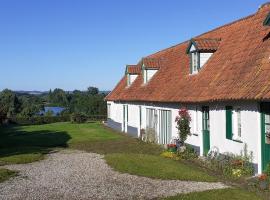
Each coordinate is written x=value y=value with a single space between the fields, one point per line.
x=37 y=120
x=78 y=118
x=188 y=154
x=267 y=170
x=234 y=166
x=183 y=124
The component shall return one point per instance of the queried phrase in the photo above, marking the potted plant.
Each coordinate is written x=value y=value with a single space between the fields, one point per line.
x=172 y=148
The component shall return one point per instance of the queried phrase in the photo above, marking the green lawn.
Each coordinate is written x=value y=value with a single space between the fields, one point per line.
x=156 y=167
x=5 y=174
x=24 y=144
x=221 y=194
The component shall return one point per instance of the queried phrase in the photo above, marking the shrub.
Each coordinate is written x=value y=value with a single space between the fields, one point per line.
x=78 y=118
x=267 y=170
x=188 y=154
x=37 y=120
x=183 y=124
x=234 y=166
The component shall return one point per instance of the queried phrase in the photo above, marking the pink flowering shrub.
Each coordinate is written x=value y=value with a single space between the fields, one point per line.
x=183 y=124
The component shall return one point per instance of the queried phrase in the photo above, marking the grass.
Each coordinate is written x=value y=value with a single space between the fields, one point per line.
x=25 y=144
x=221 y=194
x=156 y=167
x=5 y=174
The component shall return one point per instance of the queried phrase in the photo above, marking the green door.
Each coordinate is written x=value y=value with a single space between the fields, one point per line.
x=206 y=130
x=265 y=128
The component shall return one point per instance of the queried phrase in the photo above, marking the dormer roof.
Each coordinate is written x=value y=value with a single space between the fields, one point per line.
x=152 y=63
x=133 y=69
x=204 y=44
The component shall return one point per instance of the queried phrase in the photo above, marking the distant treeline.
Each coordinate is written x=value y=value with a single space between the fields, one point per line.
x=24 y=105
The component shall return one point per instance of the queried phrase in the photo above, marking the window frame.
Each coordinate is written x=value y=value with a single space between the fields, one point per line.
x=108 y=111
x=232 y=123
x=194 y=59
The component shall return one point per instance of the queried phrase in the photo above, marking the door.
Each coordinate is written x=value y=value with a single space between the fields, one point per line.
x=151 y=121
x=165 y=128
x=206 y=129
x=265 y=130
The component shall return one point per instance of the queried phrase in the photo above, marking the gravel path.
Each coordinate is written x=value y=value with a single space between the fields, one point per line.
x=80 y=175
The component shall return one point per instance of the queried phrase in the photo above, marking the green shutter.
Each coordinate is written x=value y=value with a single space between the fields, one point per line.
x=229 y=122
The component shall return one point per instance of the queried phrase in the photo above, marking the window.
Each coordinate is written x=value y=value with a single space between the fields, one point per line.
x=194 y=62
x=195 y=121
x=108 y=110
x=233 y=123
x=151 y=118
x=238 y=120
x=128 y=80
x=165 y=126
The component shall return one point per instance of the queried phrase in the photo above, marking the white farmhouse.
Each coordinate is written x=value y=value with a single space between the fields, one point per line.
x=222 y=77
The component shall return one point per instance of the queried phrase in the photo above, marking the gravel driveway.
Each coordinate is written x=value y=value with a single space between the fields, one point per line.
x=80 y=175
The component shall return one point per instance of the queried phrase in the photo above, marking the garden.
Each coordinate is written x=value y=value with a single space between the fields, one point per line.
x=30 y=143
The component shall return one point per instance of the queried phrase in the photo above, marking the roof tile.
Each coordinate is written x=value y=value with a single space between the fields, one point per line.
x=238 y=70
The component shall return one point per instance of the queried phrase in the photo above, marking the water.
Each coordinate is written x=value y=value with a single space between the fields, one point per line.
x=55 y=110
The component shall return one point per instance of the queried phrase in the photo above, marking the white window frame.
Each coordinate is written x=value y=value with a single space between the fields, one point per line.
x=237 y=124
x=194 y=62
x=128 y=80
x=109 y=111
x=195 y=121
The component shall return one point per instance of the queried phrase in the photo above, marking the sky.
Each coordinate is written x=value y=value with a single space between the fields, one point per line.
x=74 y=44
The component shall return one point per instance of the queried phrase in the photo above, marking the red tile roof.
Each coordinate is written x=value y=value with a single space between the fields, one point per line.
x=238 y=70
x=152 y=63
x=206 y=44
x=133 y=69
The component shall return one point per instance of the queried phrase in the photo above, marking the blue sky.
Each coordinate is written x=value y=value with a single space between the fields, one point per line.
x=72 y=44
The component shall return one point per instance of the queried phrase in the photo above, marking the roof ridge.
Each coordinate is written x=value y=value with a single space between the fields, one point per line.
x=217 y=28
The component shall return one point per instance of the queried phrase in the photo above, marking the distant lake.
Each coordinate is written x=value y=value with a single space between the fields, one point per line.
x=55 y=110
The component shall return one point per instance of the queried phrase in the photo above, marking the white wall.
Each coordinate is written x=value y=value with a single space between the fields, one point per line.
x=132 y=78
x=204 y=58
x=250 y=121
x=148 y=74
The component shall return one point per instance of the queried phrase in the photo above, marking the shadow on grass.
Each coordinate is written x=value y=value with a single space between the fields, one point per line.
x=18 y=146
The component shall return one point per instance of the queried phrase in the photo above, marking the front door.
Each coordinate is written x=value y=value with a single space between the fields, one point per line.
x=265 y=130
x=206 y=130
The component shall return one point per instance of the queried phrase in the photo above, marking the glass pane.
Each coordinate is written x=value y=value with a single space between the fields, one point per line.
x=267 y=118
x=239 y=122
x=267 y=128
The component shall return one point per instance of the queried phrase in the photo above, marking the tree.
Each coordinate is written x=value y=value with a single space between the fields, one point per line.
x=9 y=103
x=92 y=90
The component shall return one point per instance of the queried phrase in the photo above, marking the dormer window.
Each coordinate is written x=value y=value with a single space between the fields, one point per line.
x=194 y=62
x=200 y=50
x=150 y=67
x=132 y=72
